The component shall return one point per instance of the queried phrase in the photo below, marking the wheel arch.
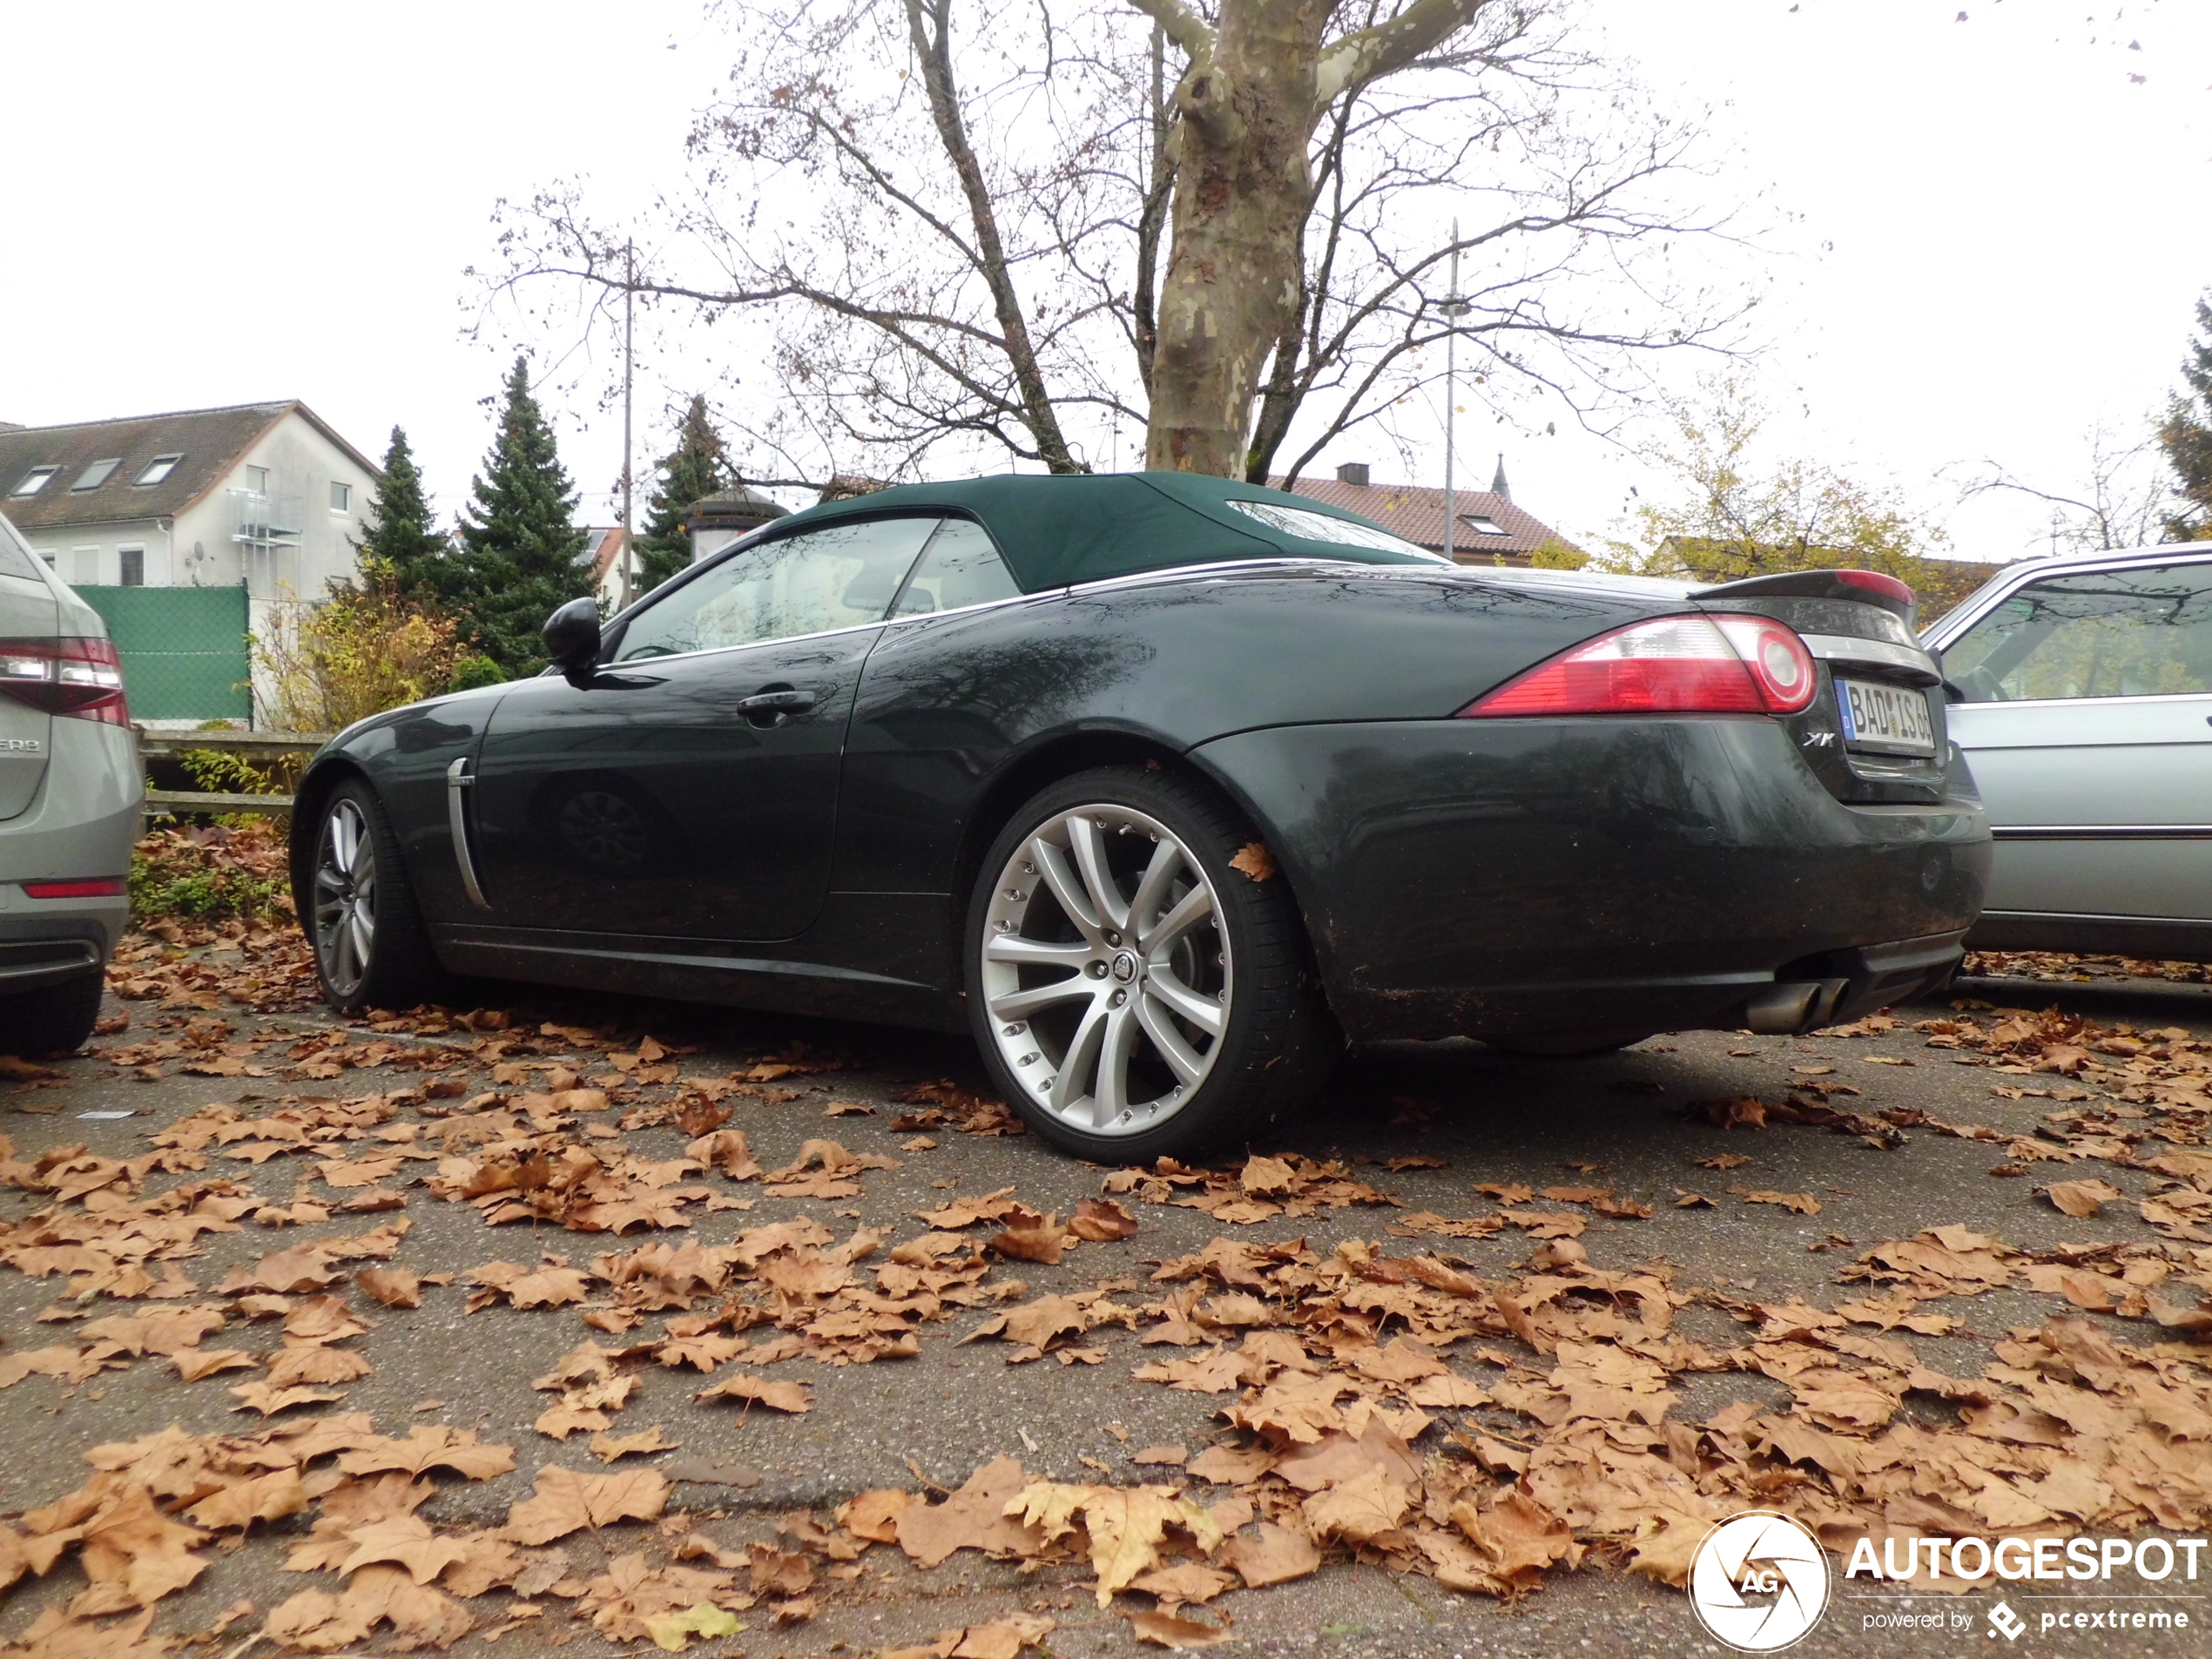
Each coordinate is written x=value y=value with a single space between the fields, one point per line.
x=1063 y=757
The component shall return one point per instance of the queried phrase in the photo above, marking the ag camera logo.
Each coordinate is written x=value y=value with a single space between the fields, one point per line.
x=1759 y=1581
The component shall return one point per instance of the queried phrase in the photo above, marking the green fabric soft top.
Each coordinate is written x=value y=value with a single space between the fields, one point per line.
x=1056 y=530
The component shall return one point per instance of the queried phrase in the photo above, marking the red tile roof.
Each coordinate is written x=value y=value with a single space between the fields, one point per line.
x=1417 y=514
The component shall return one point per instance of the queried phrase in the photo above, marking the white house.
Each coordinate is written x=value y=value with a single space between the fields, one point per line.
x=268 y=494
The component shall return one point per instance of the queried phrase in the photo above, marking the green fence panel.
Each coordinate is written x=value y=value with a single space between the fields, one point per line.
x=184 y=650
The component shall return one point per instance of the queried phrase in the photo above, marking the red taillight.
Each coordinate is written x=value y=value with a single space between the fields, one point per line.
x=112 y=887
x=82 y=677
x=1874 y=582
x=1777 y=659
x=1671 y=665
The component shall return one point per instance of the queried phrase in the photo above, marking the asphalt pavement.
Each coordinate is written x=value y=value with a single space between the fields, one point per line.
x=1627 y=1121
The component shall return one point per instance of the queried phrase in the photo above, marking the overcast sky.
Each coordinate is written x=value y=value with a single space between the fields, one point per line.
x=1984 y=236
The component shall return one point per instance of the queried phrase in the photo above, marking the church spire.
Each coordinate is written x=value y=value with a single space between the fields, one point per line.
x=1498 y=487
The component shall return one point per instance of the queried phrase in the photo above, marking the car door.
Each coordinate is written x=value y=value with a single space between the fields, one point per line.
x=2088 y=697
x=689 y=788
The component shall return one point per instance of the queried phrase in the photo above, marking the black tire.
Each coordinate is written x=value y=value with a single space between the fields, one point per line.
x=54 y=1019
x=397 y=969
x=1276 y=1039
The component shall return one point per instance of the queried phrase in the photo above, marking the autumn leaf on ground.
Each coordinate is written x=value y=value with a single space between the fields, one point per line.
x=783 y=1396
x=429 y=1446
x=394 y=1286
x=874 y=1516
x=1102 y=1221
x=1126 y=1525
x=266 y=1497
x=566 y=1500
x=1166 y=1631
x=1255 y=860
x=1277 y=1555
x=1747 y=1109
x=1802 y=1203
x=609 y=1447
x=1723 y=1161
x=672 y=1632
x=1031 y=1238
x=2082 y=1198
x=261 y=1397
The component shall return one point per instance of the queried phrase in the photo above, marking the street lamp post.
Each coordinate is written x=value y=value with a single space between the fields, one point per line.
x=629 y=302
x=1453 y=308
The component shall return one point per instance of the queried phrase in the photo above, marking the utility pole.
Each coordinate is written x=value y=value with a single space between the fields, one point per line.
x=629 y=305
x=1453 y=308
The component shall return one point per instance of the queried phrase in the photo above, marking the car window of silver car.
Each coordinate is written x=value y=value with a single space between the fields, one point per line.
x=2144 y=630
x=960 y=567
x=841 y=575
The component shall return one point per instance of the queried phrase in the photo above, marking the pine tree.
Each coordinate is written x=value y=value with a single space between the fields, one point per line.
x=520 y=549
x=2187 y=435
x=695 y=468
x=398 y=531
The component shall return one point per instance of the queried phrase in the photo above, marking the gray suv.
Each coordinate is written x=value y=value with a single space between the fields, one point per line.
x=70 y=796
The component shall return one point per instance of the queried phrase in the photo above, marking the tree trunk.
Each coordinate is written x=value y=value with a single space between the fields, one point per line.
x=1242 y=189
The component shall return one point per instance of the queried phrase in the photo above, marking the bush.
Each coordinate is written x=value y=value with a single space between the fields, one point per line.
x=222 y=873
x=367 y=648
x=472 y=672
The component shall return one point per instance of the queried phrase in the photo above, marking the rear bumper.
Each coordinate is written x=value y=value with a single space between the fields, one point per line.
x=1597 y=877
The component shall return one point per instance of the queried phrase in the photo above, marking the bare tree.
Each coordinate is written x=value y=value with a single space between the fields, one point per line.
x=1019 y=231
x=2123 y=498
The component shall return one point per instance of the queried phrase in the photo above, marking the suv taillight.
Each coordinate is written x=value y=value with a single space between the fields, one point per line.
x=1736 y=664
x=82 y=677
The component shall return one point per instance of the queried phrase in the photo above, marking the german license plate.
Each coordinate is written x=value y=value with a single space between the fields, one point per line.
x=1887 y=720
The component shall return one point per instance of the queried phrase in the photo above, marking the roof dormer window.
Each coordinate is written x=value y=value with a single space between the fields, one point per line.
x=33 y=481
x=96 y=475
x=1483 y=526
x=158 y=468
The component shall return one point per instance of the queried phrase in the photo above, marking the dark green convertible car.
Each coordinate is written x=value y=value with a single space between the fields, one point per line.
x=1164 y=787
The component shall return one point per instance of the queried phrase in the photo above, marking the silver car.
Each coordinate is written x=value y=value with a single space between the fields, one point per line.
x=2081 y=690
x=71 y=795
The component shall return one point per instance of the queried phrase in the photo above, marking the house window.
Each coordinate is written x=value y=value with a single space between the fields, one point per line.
x=1482 y=526
x=342 y=497
x=158 y=468
x=85 y=567
x=257 y=479
x=133 y=561
x=97 y=474
x=33 y=481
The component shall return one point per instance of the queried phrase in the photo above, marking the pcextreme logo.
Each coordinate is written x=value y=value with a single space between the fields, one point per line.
x=1759 y=1581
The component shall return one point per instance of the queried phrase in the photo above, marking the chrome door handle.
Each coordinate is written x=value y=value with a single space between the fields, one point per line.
x=776 y=703
x=459 y=780
x=770 y=708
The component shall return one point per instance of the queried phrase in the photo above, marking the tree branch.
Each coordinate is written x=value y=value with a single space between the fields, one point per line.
x=1369 y=54
x=1184 y=26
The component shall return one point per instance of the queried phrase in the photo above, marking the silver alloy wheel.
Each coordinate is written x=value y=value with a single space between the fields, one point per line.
x=345 y=897
x=1106 y=969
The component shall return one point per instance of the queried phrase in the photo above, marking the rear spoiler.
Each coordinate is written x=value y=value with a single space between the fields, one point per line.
x=1866 y=587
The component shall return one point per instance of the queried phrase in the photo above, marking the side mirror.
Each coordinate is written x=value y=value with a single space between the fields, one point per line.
x=572 y=639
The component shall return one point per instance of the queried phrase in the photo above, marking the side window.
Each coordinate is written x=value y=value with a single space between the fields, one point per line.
x=960 y=567
x=2140 y=633
x=841 y=575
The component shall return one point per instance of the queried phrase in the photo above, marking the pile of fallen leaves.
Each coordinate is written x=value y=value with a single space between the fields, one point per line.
x=213 y=873
x=2058 y=965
